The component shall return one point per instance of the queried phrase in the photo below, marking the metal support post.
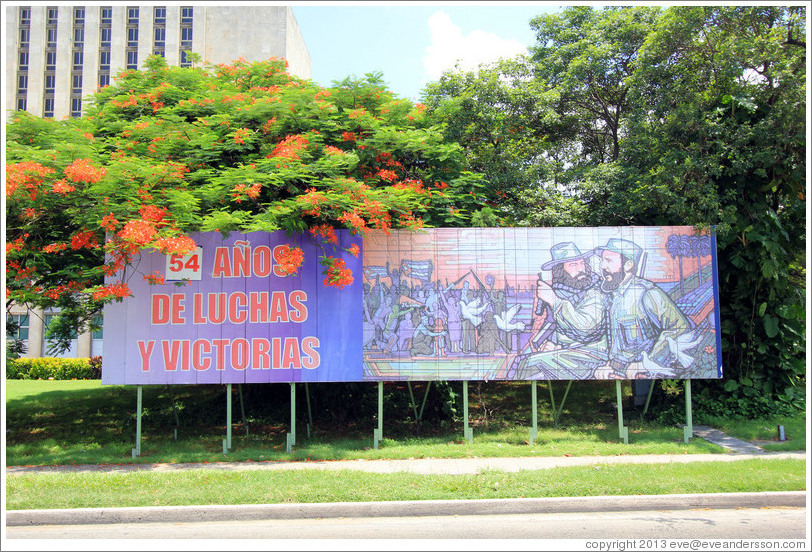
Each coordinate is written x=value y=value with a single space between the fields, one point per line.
x=242 y=410
x=291 y=437
x=227 y=444
x=423 y=406
x=648 y=398
x=309 y=412
x=534 y=431
x=557 y=411
x=689 y=421
x=174 y=411
x=622 y=430
x=468 y=433
x=138 y=401
x=377 y=433
x=418 y=414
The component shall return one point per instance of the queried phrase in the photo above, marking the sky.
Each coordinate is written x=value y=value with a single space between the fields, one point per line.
x=412 y=43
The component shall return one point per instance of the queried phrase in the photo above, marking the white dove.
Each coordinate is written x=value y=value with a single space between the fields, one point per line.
x=505 y=321
x=681 y=343
x=656 y=370
x=472 y=310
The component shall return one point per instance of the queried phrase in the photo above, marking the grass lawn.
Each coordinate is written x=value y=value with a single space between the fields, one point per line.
x=77 y=422
x=199 y=487
x=67 y=422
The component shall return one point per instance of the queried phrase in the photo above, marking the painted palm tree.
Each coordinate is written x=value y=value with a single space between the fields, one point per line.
x=700 y=247
x=679 y=247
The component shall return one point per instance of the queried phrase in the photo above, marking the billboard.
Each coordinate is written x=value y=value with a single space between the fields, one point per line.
x=441 y=304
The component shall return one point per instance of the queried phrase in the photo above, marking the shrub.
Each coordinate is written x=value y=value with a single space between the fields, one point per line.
x=56 y=368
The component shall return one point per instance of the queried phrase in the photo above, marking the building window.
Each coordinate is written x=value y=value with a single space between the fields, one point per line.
x=99 y=333
x=186 y=14
x=104 y=80
x=106 y=35
x=21 y=322
x=77 y=84
x=22 y=104
x=50 y=61
x=25 y=37
x=22 y=83
x=186 y=34
x=23 y=61
x=104 y=60
x=78 y=16
x=160 y=37
x=132 y=16
x=48 y=110
x=106 y=15
x=51 y=42
x=50 y=83
x=78 y=59
x=78 y=36
x=160 y=16
x=132 y=60
x=76 y=107
x=132 y=37
x=53 y=16
x=25 y=16
x=185 y=61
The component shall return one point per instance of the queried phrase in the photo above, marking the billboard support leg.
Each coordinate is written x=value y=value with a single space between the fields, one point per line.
x=467 y=433
x=138 y=402
x=242 y=409
x=377 y=433
x=534 y=431
x=648 y=398
x=418 y=414
x=291 y=437
x=563 y=400
x=309 y=412
x=228 y=417
x=552 y=403
x=423 y=405
x=689 y=422
x=174 y=410
x=622 y=430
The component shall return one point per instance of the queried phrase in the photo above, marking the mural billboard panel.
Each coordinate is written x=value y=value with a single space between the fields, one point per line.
x=541 y=303
x=442 y=304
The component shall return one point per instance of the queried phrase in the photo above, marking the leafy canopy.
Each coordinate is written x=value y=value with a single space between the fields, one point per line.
x=243 y=147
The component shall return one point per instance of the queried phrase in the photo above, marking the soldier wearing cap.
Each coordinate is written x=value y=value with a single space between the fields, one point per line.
x=573 y=332
x=640 y=316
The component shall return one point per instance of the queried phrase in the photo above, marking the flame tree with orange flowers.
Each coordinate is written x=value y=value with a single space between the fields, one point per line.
x=167 y=151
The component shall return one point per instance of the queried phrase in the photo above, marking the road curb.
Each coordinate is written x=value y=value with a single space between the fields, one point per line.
x=252 y=512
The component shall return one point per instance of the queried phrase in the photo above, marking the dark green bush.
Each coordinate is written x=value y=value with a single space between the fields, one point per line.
x=54 y=368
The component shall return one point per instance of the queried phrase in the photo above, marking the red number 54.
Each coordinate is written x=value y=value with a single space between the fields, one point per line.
x=176 y=263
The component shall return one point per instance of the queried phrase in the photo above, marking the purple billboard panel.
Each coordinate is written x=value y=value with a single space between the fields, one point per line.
x=541 y=303
x=226 y=314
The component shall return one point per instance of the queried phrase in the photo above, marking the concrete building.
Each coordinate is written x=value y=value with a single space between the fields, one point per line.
x=57 y=56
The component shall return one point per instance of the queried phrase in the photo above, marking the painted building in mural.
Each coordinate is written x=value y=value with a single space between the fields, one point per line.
x=443 y=304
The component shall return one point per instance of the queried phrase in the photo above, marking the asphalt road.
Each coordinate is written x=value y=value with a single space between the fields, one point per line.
x=703 y=524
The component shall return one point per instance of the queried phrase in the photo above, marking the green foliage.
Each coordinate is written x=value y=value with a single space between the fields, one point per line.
x=241 y=147
x=45 y=368
x=679 y=116
x=502 y=118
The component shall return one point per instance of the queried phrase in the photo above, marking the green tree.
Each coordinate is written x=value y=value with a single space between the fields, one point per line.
x=240 y=147
x=717 y=139
x=687 y=115
x=503 y=117
x=586 y=56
